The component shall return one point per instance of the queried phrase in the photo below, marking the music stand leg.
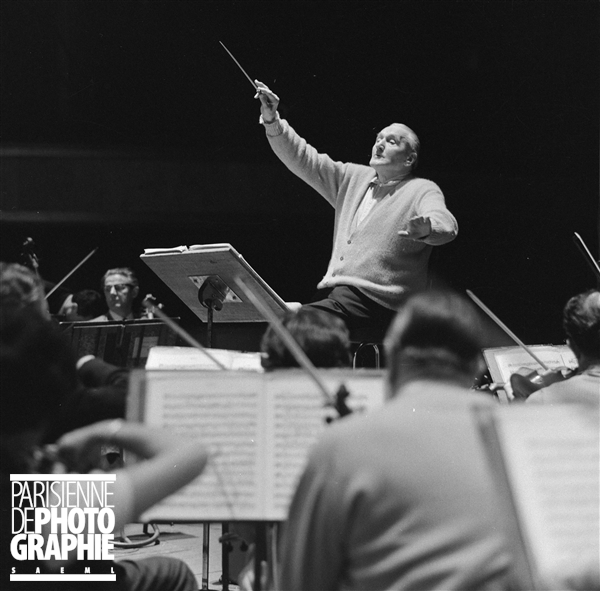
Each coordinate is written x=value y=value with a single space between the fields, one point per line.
x=272 y=555
x=205 y=549
x=260 y=554
x=225 y=545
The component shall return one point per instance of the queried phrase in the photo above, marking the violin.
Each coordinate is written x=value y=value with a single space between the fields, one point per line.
x=525 y=381
x=337 y=401
x=28 y=255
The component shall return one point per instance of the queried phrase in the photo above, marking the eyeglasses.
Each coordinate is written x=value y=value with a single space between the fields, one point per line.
x=119 y=287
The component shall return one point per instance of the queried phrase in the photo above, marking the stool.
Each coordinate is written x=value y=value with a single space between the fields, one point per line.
x=363 y=338
x=361 y=346
x=112 y=458
x=145 y=539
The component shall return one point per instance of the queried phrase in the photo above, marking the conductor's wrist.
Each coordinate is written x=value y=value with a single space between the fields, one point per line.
x=268 y=118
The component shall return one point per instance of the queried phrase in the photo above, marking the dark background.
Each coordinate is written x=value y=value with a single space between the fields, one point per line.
x=125 y=125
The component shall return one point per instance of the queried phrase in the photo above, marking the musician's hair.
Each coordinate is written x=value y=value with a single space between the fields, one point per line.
x=322 y=336
x=581 y=322
x=125 y=271
x=90 y=303
x=435 y=335
x=38 y=370
x=20 y=287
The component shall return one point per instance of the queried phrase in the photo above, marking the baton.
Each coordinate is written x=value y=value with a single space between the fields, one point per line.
x=239 y=66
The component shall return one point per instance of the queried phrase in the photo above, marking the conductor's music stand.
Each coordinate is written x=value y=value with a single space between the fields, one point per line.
x=203 y=277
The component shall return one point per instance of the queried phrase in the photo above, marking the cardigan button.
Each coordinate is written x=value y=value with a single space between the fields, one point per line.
x=341 y=258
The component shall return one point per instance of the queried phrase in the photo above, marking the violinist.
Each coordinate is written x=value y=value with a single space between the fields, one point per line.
x=83 y=305
x=39 y=377
x=326 y=341
x=581 y=323
x=403 y=497
x=323 y=337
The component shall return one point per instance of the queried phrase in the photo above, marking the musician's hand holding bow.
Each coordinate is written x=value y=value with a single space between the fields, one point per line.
x=417 y=228
x=268 y=102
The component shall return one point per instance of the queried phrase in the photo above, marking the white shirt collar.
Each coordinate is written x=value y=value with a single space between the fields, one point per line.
x=389 y=183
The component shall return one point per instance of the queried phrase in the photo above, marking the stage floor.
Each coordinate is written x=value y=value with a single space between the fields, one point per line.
x=184 y=541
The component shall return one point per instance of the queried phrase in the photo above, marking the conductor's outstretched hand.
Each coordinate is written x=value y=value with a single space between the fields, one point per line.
x=268 y=101
x=417 y=228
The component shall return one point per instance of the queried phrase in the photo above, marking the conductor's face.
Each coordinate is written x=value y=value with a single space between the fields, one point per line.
x=391 y=153
x=119 y=294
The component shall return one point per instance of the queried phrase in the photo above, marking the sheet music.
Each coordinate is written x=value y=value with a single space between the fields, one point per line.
x=209 y=247
x=165 y=250
x=192 y=358
x=258 y=426
x=552 y=460
x=298 y=418
x=505 y=361
x=226 y=416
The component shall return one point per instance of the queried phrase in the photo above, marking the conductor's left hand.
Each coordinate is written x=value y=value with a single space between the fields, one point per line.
x=417 y=228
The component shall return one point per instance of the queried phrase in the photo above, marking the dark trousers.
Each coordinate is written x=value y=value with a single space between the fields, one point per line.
x=366 y=320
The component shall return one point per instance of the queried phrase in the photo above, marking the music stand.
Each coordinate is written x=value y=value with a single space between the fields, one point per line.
x=125 y=343
x=203 y=277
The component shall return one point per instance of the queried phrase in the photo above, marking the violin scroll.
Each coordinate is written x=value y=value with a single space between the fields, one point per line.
x=29 y=256
x=151 y=304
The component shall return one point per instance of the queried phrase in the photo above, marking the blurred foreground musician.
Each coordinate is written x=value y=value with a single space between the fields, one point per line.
x=581 y=323
x=386 y=219
x=325 y=340
x=102 y=387
x=403 y=497
x=38 y=376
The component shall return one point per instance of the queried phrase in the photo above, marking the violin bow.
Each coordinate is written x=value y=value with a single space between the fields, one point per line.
x=587 y=255
x=149 y=300
x=505 y=328
x=288 y=340
x=71 y=272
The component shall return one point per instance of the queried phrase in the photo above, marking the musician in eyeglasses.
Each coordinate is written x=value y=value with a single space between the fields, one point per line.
x=120 y=287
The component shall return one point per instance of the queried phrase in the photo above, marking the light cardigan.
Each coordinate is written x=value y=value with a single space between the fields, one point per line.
x=372 y=257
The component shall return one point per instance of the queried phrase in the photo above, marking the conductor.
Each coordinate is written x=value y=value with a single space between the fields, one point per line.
x=386 y=219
